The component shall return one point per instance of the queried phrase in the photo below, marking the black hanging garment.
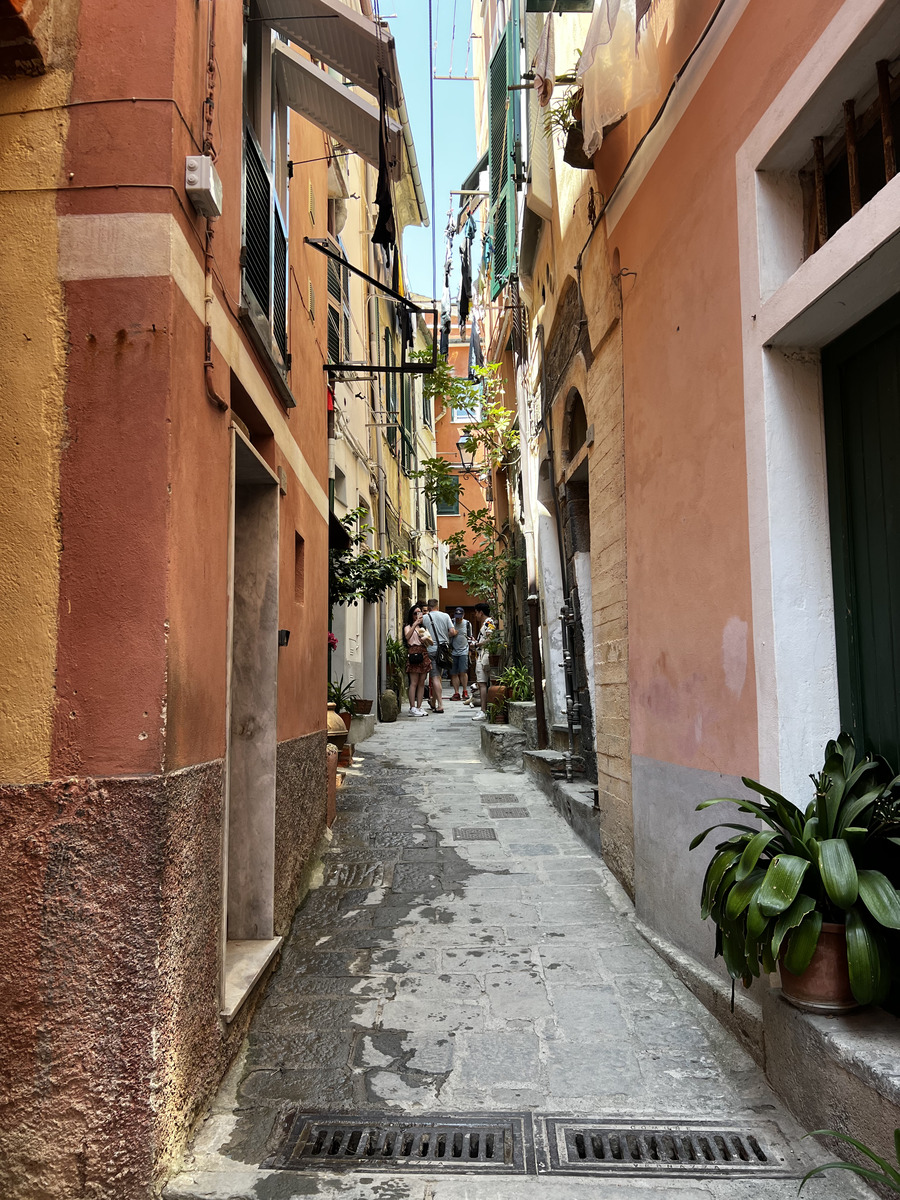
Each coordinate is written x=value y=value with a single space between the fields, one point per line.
x=385 y=232
x=476 y=358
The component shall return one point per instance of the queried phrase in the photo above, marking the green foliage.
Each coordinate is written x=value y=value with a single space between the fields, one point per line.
x=487 y=563
x=564 y=113
x=492 y=439
x=494 y=711
x=439 y=483
x=343 y=697
x=518 y=682
x=888 y=1176
x=769 y=891
x=360 y=572
x=396 y=657
x=442 y=385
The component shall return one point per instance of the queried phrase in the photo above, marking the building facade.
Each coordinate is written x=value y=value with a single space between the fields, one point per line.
x=165 y=535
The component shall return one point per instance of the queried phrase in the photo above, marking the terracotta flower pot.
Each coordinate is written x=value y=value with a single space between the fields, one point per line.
x=362 y=708
x=497 y=695
x=346 y=717
x=337 y=730
x=824 y=987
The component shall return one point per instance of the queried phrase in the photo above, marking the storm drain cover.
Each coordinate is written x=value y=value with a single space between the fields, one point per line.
x=499 y=798
x=501 y=814
x=683 y=1149
x=498 y=1144
x=475 y=833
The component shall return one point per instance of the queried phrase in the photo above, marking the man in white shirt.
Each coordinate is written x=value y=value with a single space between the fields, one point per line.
x=441 y=629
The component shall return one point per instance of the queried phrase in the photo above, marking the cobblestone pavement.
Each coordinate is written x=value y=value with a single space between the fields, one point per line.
x=431 y=974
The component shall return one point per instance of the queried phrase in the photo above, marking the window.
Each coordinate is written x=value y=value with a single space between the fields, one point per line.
x=451 y=509
x=338 y=309
x=503 y=150
x=264 y=251
x=430 y=522
x=461 y=416
x=406 y=425
x=299 y=570
x=390 y=391
x=853 y=163
x=427 y=405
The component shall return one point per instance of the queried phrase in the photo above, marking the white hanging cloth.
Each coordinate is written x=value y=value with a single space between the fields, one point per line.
x=544 y=65
x=619 y=68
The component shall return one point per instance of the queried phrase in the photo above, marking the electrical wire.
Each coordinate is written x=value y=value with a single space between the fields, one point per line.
x=431 y=102
x=24 y=112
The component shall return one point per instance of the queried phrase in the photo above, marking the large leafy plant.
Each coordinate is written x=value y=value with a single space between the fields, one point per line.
x=359 y=572
x=769 y=890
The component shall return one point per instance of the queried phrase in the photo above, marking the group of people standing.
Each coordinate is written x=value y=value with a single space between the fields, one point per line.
x=437 y=642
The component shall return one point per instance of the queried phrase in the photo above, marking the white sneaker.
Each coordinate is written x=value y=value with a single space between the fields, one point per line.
x=479 y=716
x=416 y=712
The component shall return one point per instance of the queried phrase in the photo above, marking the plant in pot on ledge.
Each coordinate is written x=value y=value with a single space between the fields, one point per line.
x=815 y=889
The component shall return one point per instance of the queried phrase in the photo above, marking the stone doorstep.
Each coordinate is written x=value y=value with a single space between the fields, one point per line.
x=361 y=728
x=520 y=711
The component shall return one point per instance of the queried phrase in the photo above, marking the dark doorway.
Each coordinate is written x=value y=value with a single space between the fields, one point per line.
x=861 y=380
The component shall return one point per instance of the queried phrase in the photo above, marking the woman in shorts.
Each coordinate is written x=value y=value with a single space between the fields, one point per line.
x=418 y=663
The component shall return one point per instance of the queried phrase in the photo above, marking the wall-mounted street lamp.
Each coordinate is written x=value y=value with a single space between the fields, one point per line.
x=466 y=456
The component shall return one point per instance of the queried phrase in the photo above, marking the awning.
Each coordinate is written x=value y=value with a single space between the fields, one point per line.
x=316 y=95
x=333 y=33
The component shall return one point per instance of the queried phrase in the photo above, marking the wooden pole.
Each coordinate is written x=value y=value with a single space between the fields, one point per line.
x=821 y=209
x=887 y=122
x=852 y=156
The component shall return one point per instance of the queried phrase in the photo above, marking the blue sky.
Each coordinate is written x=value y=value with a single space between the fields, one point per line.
x=454 y=121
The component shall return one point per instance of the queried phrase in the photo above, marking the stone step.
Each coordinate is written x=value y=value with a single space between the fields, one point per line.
x=520 y=711
x=530 y=729
x=502 y=746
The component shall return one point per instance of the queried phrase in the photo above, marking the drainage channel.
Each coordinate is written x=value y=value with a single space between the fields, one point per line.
x=500 y=1144
x=531 y=1144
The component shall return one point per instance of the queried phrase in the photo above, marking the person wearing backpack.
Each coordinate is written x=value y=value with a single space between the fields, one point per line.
x=441 y=629
x=459 y=647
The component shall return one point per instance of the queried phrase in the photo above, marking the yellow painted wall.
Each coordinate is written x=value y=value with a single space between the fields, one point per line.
x=32 y=387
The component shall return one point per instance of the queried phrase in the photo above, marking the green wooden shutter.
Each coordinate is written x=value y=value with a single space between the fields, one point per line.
x=504 y=134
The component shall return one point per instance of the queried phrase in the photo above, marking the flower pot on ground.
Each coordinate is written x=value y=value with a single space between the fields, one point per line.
x=342 y=696
x=346 y=717
x=337 y=730
x=771 y=890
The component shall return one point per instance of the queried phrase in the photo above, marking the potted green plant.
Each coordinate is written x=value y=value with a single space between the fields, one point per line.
x=343 y=698
x=812 y=880
x=518 y=683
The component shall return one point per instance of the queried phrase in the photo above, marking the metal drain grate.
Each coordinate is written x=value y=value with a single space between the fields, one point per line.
x=475 y=833
x=501 y=1144
x=499 y=798
x=685 y=1149
x=500 y=814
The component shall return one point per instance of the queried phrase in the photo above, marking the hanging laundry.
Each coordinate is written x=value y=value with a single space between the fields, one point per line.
x=465 y=285
x=385 y=232
x=404 y=316
x=544 y=66
x=445 y=321
x=619 y=69
x=476 y=358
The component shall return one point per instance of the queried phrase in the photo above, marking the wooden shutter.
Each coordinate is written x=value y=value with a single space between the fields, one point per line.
x=503 y=123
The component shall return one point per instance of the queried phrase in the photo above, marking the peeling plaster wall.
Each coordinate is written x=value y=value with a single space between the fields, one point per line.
x=32 y=383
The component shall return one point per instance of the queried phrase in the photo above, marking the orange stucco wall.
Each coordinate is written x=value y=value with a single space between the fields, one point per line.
x=691 y=659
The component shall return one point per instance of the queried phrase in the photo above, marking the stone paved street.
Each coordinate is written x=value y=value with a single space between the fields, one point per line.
x=429 y=974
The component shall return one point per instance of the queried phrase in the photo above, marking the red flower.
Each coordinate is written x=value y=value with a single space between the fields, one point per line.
x=332 y=641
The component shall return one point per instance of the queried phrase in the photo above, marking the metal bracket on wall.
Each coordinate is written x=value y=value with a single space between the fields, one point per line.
x=403 y=368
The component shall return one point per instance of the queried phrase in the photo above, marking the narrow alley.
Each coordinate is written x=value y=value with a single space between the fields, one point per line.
x=465 y=957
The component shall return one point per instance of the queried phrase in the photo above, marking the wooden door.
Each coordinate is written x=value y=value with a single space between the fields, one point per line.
x=861 y=379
